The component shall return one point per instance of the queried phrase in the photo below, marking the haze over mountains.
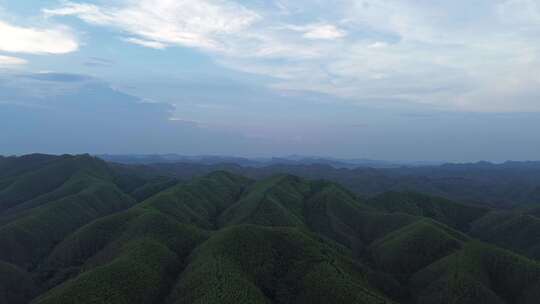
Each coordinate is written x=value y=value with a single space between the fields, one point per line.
x=503 y=185
x=75 y=229
x=259 y=161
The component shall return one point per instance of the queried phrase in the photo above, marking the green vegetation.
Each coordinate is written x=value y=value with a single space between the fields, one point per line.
x=252 y=264
x=277 y=201
x=508 y=185
x=138 y=276
x=512 y=230
x=199 y=202
x=23 y=185
x=27 y=239
x=453 y=214
x=415 y=246
x=479 y=273
x=75 y=230
x=152 y=187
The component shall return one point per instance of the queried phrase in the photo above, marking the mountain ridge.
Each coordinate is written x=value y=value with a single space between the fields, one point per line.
x=130 y=236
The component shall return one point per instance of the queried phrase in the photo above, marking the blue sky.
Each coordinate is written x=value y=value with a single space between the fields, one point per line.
x=387 y=79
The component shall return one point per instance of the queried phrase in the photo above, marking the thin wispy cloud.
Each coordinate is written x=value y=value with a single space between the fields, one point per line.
x=192 y=23
x=98 y=62
x=446 y=54
x=57 y=77
x=9 y=61
x=319 y=31
x=146 y=43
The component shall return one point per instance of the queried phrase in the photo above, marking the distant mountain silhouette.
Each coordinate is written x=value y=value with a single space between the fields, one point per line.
x=257 y=162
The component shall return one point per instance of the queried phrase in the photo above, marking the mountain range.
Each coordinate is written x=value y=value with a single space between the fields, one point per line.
x=259 y=161
x=77 y=229
x=505 y=185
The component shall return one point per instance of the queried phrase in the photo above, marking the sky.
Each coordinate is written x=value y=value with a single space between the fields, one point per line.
x=427 y=80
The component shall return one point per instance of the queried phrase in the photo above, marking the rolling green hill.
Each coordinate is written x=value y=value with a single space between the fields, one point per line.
x=415 y=246
x=42 y=206
x=506 y=185
x=454 y=214
x=28 y=238
x=479 y=273
x=516 y=231
x=41 y=177
x=12 y=166
x=172 y=220
x=89 y=234
x=254 y=264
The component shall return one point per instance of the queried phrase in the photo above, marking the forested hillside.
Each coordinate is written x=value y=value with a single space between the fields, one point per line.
x=74 y=229
x=507 y=185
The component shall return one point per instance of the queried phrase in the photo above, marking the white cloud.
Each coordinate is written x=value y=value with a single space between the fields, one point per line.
x=193 y=23
x=32 y=40
x=146 y=43
x=319 y=31
x=8 y=61
x=449 y=54
x=378 y=45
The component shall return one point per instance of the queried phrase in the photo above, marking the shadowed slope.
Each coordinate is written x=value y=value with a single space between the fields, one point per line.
x=30 y=237
x=277 y=201
x=200 y=202
x=16 y=285
x=512 y=230
x=415 y=246
x=479 y=274
x=458 y=216
x=317 y=206
x=47 y=176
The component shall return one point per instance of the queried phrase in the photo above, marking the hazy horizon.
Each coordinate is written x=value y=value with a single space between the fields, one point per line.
x=352 y=160
x=385 y=80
